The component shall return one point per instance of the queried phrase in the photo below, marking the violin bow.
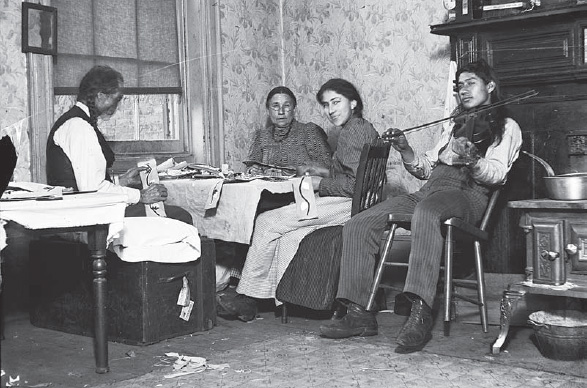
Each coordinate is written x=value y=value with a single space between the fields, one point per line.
x=516 y=98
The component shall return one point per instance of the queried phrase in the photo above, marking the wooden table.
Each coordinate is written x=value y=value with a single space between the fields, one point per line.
x=99 y=215
x=232 y=219
x=556 y=255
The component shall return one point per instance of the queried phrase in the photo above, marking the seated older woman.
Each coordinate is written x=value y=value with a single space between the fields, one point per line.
x=278 y=232
x=283 y=145
x=286 y=143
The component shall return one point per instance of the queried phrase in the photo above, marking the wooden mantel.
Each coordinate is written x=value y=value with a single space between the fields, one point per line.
x=535 y=16
x=535 y=47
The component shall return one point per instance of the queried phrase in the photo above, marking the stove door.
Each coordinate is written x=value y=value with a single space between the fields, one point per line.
x=548 y=252
x=576 y=247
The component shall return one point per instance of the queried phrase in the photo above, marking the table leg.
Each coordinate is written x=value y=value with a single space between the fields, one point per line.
x=509 y=302
x=97 y=246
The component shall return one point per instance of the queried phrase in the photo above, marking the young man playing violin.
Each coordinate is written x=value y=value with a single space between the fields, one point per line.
x=475 y=153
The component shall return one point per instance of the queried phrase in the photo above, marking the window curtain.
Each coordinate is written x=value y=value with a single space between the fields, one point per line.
x=136 y=37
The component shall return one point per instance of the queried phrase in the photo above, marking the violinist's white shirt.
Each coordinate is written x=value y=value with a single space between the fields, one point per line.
x=489 y=170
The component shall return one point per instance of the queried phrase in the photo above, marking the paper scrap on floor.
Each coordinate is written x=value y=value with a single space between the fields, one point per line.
x=185 y=365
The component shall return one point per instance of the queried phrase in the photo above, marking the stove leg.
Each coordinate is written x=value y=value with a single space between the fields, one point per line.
x=509 y=302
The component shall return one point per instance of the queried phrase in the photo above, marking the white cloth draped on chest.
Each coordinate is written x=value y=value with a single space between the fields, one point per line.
x=162 y=240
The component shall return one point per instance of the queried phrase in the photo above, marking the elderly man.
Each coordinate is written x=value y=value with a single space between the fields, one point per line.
x=79 y=156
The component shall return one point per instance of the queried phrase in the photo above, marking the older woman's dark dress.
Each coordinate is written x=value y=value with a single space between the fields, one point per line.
x=300 y=144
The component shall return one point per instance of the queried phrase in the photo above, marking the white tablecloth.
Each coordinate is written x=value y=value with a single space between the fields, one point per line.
x=71 y=211
x=233 y=218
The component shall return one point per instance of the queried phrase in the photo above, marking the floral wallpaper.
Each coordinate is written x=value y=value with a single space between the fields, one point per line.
x=250 y=36
x=385 y=48
x=13 y=86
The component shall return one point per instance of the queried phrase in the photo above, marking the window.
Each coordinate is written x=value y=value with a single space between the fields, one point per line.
x=143 y=40
x=200 y=100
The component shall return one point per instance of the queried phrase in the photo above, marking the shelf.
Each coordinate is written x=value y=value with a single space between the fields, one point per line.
x=531 y=17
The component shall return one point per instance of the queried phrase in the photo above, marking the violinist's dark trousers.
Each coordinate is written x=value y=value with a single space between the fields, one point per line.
x=448 y=193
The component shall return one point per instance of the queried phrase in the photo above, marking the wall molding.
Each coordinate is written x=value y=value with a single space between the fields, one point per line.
x=40 y=92
x=204 y=81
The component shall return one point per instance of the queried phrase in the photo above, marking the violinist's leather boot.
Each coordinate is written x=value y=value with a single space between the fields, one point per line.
x=402 y=305
x=417 y=330
x=340 y=311
x=357 y=322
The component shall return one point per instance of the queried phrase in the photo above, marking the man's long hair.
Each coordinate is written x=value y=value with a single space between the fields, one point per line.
x=498 y=114
x=102 y=79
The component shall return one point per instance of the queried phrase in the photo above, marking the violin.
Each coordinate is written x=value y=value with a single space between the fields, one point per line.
x=477 y=127
x=485 y=115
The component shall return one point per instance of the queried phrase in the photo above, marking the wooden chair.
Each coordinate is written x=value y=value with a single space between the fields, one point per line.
x=371 y=176
x=453 y=227
x=370 y=181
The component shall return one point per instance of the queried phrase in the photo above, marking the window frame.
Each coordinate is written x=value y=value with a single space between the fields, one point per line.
x=202 y=80
x=131 y=150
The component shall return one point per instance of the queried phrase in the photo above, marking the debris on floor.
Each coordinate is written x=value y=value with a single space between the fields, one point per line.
x=185 y=365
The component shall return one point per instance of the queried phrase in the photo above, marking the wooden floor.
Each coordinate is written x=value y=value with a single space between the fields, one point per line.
x=268 y=353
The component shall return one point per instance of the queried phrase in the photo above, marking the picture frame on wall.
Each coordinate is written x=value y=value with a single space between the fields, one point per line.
x=39 y=29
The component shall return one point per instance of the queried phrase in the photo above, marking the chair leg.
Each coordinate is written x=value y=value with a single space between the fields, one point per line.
x=448 y=263
x=381 y=300
x=284 y=313
x=481 y=286
x=380 y=267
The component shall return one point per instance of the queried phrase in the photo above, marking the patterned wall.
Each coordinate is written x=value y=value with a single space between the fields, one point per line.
x=384 y=47
x=250 y=33
x=13 y=85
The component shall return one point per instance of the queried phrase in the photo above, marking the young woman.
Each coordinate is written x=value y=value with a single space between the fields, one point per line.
x=474 y=154
x=285 y=142
x=278 y=232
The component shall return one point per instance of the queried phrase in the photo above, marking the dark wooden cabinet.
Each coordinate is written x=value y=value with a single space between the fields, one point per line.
x=542 y=50
x=538 y=47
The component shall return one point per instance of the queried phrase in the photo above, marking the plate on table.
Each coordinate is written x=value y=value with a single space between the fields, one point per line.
x=248 y=178
x=186 y=175
x=286 y=169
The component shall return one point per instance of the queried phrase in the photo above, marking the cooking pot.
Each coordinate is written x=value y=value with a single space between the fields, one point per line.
x=568 y=187
x=560 y=334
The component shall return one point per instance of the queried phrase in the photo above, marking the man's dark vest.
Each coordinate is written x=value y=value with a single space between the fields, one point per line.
x=59 y=169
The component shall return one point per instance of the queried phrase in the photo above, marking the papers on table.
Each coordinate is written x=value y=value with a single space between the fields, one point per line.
x=169 y=169
x=19 y=191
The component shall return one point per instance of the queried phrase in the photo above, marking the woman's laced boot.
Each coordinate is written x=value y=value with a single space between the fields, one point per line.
x=417 y=330
x=236 y=305
x=357 y=322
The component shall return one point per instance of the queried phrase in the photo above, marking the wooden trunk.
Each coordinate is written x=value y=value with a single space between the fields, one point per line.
x=142 y=297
